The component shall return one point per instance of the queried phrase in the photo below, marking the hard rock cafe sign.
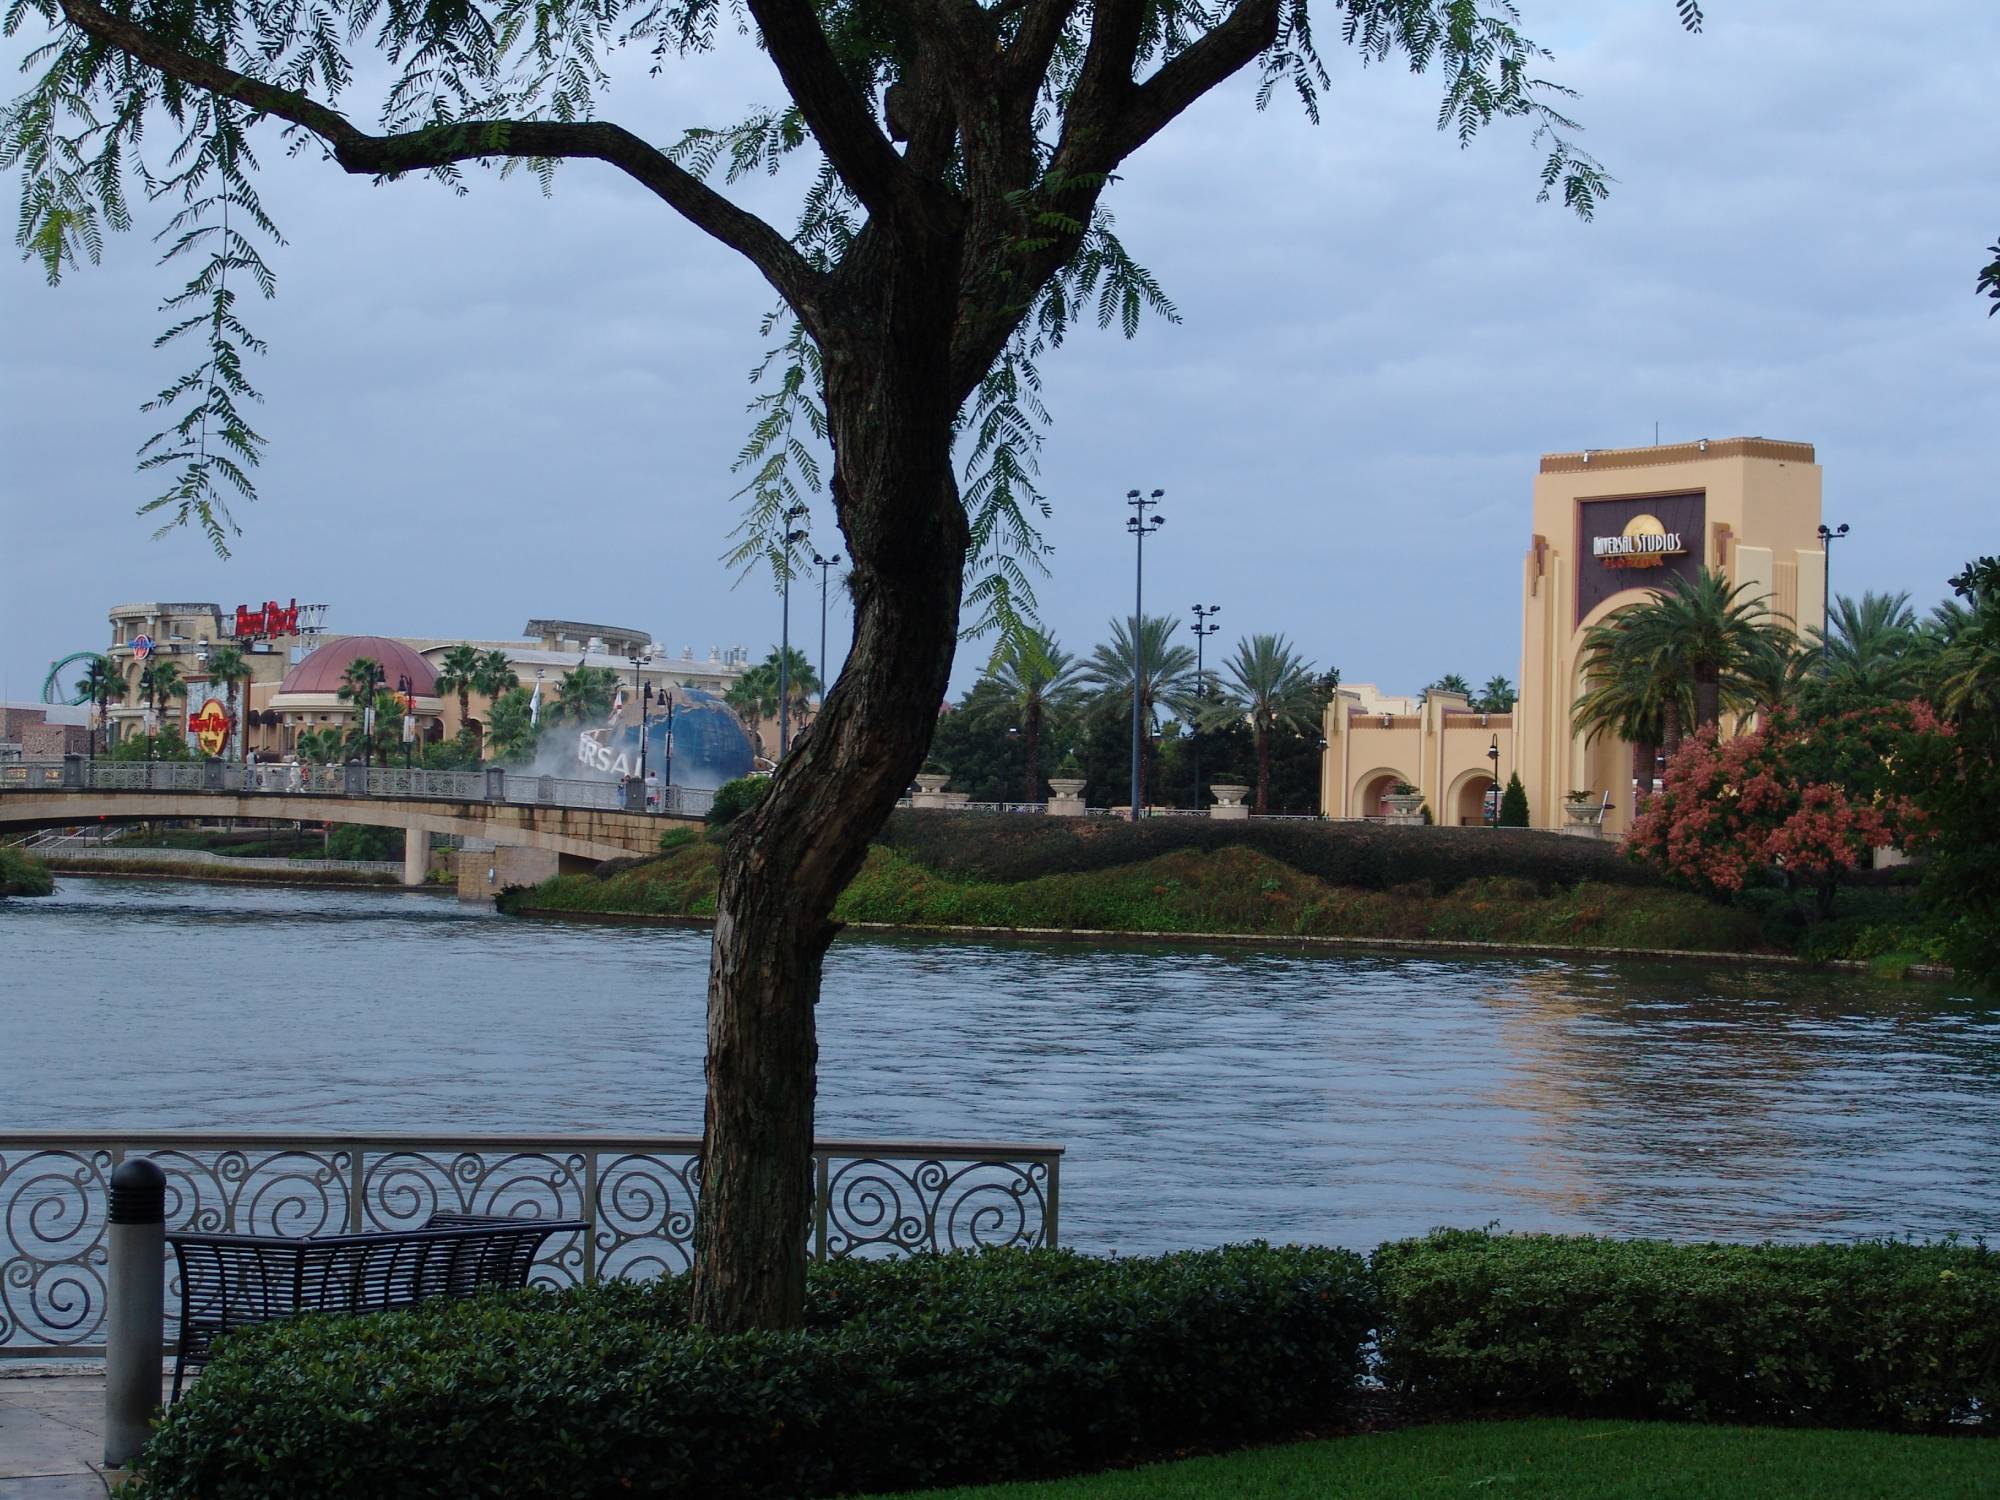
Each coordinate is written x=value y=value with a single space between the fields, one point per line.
x=210 y=726
x=1644 y=543
x=267 y=620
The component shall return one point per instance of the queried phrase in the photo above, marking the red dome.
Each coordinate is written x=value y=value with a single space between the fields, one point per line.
x=326 y=668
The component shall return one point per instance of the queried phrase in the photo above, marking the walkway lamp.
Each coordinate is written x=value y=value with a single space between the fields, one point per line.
x=791 y=538
x=1827 y=537
x=1203 y=628
x=1493 y=754
x=409 y=692
x=1141 y=528
x=824 y=563
x=643 y=691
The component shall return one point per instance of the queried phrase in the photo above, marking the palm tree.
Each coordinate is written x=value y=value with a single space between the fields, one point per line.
x=357 y=686
x=1272 y=686
x=583 y=696
x=1776 y=676
x=458 y=673
x=1869 y=649
x=1627 y=695
x=510 y=731
x=160 y=680
x=1167 y=681
x=1497 y=697
x=1451 y=682
x=102 y=686
x=754 y=695
x=228 y=666
x=494 y=675
x=318 y=747
x=1032 y=676
x=1708 y=633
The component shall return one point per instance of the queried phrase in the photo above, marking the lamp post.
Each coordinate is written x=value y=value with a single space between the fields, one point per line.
x=824 y=564
x=408 y=690
x=667 y=753
x=785 y=631
x=377 y=675
x=1493 y=754
x=1141 y=528
x=1203 y=629
x=1827 y=537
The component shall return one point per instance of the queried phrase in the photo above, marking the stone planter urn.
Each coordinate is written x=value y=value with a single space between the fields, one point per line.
x=1404 y=807
x=1583 y=814
x=930 y=781
x=1229 y=797
x=1066 y=796
x=930 y=790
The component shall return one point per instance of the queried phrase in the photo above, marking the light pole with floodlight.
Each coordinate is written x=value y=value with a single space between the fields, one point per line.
x=1203 y=628
x=1827 y=537
x=1141 y=528
x=824 y=563
x=785 y=630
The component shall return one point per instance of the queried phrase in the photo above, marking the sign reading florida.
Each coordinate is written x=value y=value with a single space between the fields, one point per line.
x=1645 y=544
x=210 y=726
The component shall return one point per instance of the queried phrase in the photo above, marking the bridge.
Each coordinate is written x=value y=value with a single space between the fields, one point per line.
x=568 y=822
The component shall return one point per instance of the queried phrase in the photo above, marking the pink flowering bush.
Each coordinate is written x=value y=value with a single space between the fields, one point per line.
x=1805 y=802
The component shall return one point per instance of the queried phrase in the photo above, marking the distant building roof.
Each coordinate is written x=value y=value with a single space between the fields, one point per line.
x=583 y=630
x=324 y=670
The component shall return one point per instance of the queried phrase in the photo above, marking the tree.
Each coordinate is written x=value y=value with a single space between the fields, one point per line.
x=102 y=686
x=917 y=297
x=754 y=695
x=492 y=675
x=1034 y=677
x=227 y=665
x=1868 y=652
x=511 y=732
x=583 y=696
x=1626 y=695
x=1272 y=686
x=1806 y=800
x=161 y=682
x=1706 y=633
x=1451 y=682
x=1514 y=803
x=459 y=673
x=1497 y=697
x=319 y=747
x=1142 y=651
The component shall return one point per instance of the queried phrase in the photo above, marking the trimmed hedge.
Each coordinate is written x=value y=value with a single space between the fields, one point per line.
x=918 y=1372
x=1887 y=1335
x=1372 y=856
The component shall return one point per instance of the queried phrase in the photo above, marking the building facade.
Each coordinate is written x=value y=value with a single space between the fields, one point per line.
x=1608 y=527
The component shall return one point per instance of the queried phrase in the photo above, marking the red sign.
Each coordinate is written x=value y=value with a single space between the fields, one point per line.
x=210 y=726
x=269 y=619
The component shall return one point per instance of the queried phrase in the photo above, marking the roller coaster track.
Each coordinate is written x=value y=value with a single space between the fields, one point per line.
x=53 y=690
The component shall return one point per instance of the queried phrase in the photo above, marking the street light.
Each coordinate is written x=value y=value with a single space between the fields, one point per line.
x=377 y=675
x=824 y=563
x=643 y=691
x=785 y=632
x=408 y=690
x=1826 y=540
x=1141 y=528
x=1203 y=628
x=1493 y=754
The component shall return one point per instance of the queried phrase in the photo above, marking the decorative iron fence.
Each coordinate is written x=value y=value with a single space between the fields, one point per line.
x=636 y=1194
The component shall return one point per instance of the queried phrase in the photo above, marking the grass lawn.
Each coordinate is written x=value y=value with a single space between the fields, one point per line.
x=1611 y=1460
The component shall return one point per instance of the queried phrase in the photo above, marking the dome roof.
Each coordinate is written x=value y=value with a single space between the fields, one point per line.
x=323 y=671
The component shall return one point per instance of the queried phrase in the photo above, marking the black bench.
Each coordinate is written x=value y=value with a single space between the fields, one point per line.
x=231 y=1281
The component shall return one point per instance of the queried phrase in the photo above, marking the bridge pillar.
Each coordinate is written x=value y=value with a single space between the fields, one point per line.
x=73 y=772
x=416 y=856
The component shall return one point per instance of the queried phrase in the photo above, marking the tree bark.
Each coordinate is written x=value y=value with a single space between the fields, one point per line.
x=1707 y=698
x=1032 y=750
x=891 y=413
x=1642 y=776
x=1670 y=729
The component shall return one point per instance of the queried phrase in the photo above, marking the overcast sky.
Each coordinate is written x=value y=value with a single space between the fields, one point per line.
x=487 y=408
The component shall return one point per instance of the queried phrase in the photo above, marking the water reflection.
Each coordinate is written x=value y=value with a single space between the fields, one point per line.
x=1204 y=1095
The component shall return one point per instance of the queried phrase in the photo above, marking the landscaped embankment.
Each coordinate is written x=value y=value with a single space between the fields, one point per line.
x=21 y=874
x=202 y=864
x=1190 y=877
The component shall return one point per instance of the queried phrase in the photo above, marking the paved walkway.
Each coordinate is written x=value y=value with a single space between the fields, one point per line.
x=52 y=1437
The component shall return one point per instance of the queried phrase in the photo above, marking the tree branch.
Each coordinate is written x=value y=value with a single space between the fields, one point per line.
x=1233 y=45
x=1035 y=42
x=468 y=140
x=835 y=111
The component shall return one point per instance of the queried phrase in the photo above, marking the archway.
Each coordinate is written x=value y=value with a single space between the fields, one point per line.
x=1467 y=800
x=1370 y=789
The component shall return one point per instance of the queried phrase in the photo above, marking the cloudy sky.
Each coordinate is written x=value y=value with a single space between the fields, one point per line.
x=504 y=405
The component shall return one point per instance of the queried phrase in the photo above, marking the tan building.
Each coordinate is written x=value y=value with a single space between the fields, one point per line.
x=1609 y=526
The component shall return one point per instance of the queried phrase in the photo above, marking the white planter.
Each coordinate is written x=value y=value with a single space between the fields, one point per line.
x=1067 y=786
x=1066 y=799
x=929 y=782
x=1405 y=807
x=1229 y=797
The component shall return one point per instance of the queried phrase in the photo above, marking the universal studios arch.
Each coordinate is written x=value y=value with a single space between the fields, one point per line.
x=1608 y=526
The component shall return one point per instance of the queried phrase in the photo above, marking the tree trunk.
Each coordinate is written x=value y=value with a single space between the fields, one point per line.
x=1670 y=729
x=1263 y=767
x=891 y=411
x=1707 y=698
x=1642 y=776
x=1032 y=751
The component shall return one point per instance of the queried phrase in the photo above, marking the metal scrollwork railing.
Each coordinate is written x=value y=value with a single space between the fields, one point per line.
x=637 y=1195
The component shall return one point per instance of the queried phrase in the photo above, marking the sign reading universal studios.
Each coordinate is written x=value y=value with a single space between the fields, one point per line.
x=1644 y=543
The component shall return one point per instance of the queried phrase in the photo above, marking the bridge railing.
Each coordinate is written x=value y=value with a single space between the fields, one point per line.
x=636 y=1194
x=488 y=785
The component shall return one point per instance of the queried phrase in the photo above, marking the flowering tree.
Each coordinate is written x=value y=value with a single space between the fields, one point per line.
x=1806 y=800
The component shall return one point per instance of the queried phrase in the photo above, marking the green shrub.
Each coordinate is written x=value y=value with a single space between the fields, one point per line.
x=1857 y=1335
x=676 y=838
x=1514 y=803
x=909 y=1373
x=21 y=874
x=360 y=842
x=735 y=798
x=1370 y=856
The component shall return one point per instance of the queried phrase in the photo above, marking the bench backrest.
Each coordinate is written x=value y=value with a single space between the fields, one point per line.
x=234 y=1280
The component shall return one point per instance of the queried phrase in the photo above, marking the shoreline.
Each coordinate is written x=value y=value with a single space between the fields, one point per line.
x=303 y=879
x=1462 y=947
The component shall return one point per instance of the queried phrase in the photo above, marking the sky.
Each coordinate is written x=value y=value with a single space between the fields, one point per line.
x=497 y=406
